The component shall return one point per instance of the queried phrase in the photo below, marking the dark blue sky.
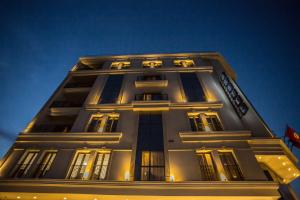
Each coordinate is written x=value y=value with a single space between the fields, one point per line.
x=41 y=40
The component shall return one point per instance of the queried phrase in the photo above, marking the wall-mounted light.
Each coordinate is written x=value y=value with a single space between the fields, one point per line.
x=127 y=176
x=172 y=178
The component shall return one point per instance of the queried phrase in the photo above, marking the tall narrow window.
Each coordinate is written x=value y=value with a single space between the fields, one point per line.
x=207 y=167
x=112 y=89
x=153 y=166
x=232 y=170
x=100 y=166
x=45 y=165
x=192 y=87
x=95 y=124
x=80 y=163
x=213 y=123
x=25 y=164
x=196 y=123
x=111 y=124
x=149 y=163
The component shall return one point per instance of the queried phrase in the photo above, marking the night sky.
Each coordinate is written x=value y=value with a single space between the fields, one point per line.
x=41 y=40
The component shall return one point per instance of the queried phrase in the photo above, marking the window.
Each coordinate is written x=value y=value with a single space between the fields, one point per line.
x=207 y=167
x=149 y=163
x=80 y=163
x=236 y=100
x=184 y=63
x=196 y=123
x=152 y=64
x=111 y=124
x=112 y=89
x=153 y=166
x=192 y=87
x=204 y=122
x=25 y=164
x=120 y=65
x=232 y=170
x=100 y=166
x=103 y=123
x=45 y=164
x=213 y=123
x=151 y=97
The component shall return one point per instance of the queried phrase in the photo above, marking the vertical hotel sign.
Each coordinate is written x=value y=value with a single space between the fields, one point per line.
x=232 y=93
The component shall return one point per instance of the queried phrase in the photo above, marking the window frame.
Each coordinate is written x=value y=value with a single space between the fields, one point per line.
x=39 y=163
x=28 y=168
x=205 y=124
x=101 y=115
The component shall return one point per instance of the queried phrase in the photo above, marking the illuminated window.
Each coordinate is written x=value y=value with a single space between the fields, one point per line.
x=45 y=164
x=151 y=97
x=25 y=164
x=207 y=167
x=153 y=166
x=80 y=163
x=100 y=166
x=152 y=64
x=204 y=122
x=184 y=63
x=103 y=123
x=120 y=65
x=232 y=170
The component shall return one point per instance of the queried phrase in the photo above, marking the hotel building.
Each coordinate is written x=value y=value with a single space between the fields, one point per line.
x=154 y=126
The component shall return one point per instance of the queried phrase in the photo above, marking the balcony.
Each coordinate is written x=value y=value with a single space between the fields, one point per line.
x=61 y=137
x=207 y=136
x=151 y=81
x=80 y=189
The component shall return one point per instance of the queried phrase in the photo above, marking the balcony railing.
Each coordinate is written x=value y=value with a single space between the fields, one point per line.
x=151 y=78
x=150 y=97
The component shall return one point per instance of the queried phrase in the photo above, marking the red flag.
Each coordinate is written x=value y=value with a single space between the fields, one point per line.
x=293 y=136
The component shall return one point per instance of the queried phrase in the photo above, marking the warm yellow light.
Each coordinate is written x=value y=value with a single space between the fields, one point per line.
x=289 y=169
x=172 y=178
x=65 y=198
x=127 y=176
x=283 y=163
x=18 y=197
x=259 y=157
x=34 y=197
x=95 y=199
x=279 y=157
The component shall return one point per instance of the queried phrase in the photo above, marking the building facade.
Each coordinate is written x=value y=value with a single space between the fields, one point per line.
x=159 y=126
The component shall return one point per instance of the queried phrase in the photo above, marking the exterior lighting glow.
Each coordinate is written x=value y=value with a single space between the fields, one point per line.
x=127 y=176
x=172 y=178
x=65 y=198
x=283 y=163
x=279 y=157
x=95 y=199
x=289 y=169
x=34 y=197
x=259 y=157
x=18 y=197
